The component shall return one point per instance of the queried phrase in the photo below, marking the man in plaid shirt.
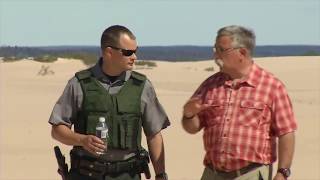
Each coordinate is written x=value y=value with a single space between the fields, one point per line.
x=242 y=110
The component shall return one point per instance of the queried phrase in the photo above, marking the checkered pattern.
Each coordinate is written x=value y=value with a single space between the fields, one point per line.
x=244 y=118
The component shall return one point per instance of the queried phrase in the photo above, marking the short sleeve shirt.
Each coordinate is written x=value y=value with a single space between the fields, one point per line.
x=244 y=118
x=65 y=111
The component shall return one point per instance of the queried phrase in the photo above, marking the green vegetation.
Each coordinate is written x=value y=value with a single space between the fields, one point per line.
x=146 y=63
x=209 y=69
x=311 y=53
x=88 y=55
x=45 y=58
x=11 y=59
x=86 y=58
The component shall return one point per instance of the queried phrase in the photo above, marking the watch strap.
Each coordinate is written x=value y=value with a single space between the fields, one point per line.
x=285 y=172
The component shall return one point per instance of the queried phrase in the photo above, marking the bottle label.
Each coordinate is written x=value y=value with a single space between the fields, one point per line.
x=102 y=133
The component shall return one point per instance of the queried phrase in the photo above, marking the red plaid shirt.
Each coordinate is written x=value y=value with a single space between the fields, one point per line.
x=244 y=119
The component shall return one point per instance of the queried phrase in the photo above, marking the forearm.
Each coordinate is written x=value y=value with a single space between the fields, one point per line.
x=192 y=125
x=286 y=150
x=65 y=135
x=156 y=148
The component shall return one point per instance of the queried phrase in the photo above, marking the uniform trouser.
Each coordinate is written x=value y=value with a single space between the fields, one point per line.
x=261 y=173
x=74 y=175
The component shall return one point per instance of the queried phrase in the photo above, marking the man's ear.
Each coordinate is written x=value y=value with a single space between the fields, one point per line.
x=107 y=52
x=244 y=52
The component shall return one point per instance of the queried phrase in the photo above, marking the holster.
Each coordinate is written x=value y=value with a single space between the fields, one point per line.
x=92 y=166
x=62 y=166
x=144 y=156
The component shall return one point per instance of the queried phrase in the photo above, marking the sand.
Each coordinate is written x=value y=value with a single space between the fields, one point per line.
x=27 y=98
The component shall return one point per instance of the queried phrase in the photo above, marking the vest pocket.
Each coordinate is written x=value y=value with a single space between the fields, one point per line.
x=129 y=130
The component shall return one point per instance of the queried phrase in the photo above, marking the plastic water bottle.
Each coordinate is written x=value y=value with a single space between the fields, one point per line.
x=102 y=131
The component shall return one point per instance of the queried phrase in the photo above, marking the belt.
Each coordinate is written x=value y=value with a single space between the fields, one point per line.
x=236 y=173
x=109 y=167
x=99 y=170
x=96 y=167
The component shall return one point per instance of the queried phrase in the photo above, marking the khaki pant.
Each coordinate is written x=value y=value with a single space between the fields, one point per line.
x=261 y=173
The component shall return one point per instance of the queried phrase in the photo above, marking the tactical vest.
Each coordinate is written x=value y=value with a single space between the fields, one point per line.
x=122 y=110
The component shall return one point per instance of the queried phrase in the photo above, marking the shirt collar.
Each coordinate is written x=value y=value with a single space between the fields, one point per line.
x=100 y=75
x=251 y=79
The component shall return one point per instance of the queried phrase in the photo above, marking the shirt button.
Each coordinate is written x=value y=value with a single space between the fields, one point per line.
x=224 y=135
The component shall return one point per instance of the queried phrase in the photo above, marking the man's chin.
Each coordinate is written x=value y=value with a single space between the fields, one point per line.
x=129 y=67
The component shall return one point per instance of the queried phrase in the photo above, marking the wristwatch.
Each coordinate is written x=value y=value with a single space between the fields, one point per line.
x=285 y=172
x=162 y=175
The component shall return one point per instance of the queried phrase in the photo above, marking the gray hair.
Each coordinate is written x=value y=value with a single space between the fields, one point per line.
x=241 y=36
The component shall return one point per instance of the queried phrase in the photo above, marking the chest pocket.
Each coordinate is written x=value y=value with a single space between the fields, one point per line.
x=250 y=112
x=214 y=113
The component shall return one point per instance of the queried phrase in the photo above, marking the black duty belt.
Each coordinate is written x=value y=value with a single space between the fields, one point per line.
x=97 y=168
x=236 y=173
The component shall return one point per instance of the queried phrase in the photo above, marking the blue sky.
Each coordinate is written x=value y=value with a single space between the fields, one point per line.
x=157 y=22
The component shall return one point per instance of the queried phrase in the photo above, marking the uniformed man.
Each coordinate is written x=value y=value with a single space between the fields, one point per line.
x=128 y=102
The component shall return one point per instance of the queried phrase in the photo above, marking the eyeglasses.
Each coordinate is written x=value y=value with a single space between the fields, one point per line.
x=217 y=49
x=125 y=52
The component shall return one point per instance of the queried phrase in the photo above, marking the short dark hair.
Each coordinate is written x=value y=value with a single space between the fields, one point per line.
x=111 y=36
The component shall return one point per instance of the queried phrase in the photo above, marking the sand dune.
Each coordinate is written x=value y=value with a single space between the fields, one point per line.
x=26 y=148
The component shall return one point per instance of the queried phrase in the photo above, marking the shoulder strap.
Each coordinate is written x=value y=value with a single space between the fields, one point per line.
x=84 y=74
x=138 y=76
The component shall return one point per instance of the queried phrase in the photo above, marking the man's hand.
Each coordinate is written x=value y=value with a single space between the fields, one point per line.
x=190 y=120
x=193 y=107
x=65 y=135
x=279 y=176
x=92 y=144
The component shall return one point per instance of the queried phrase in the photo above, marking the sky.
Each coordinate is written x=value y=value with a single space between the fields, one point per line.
x=157 y=22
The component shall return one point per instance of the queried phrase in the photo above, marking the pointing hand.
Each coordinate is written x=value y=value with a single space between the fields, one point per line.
x=193 y=107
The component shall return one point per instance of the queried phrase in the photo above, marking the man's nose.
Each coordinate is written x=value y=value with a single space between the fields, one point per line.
x=133 y=56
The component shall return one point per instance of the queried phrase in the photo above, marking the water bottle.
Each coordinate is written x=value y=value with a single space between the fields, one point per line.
x=102 y=131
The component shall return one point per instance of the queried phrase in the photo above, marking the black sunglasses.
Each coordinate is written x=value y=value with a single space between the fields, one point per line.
x=125 y=52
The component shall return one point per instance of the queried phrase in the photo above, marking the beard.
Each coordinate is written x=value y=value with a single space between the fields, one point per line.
x=219 y=62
